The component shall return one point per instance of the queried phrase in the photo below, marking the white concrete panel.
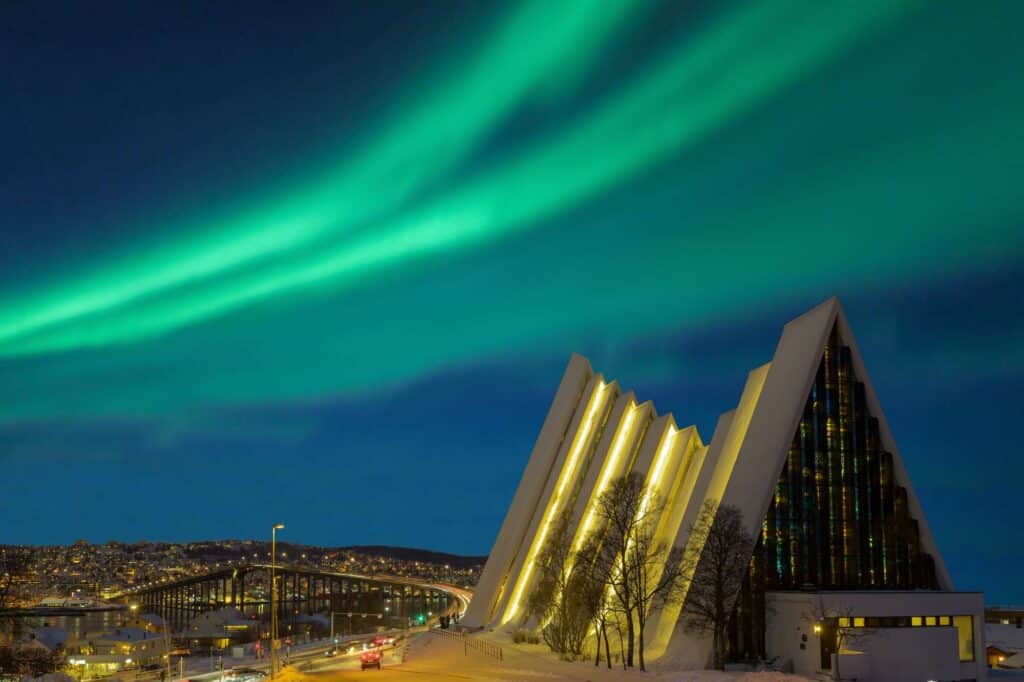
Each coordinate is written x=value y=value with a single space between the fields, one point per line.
x=642 y=455
x=608 y=462
x=527 y=496
x=669 y=641
x=780 y=404
x=564 y=475
x=661 y=623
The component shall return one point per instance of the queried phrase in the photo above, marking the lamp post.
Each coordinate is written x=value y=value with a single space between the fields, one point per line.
x=273 y=597
x=340 y=613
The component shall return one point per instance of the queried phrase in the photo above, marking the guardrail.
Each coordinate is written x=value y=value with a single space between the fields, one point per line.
x=481 y=645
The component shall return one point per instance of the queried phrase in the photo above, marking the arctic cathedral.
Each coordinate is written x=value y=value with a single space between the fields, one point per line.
x=842 y=543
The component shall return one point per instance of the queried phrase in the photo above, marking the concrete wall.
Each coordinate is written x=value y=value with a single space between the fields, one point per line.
x=899 y=654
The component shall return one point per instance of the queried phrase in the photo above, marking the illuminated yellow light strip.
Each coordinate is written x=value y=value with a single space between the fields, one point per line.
x=737 y=432
x=610 y=464
x=642 y=509
x=660 y=461
x=606 y=473
x=720 y=478
x=582 y=436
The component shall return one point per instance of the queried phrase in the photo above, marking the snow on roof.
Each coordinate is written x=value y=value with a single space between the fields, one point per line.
x=1016 y=661
x=226 y=615
x=125 y=635
x=1006 y=637
x=49 y=637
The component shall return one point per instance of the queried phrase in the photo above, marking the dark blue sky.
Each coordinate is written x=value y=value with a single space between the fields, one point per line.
x=326 y=263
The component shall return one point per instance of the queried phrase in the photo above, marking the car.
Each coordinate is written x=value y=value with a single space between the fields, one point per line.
x=243 y=674
x=151 y=666
x=370 y=659
x=179 y=651
x=330 y=653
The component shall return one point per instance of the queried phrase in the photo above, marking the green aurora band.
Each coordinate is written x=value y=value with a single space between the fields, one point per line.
x=354 y=229
x=428 y=138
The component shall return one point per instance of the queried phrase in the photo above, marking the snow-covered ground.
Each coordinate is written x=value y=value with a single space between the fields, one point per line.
x=435 y=657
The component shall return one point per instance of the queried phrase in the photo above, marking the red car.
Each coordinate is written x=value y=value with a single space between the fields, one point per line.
x=370 y=659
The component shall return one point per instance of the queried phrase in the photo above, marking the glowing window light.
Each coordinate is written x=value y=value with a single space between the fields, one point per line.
x=574 y=454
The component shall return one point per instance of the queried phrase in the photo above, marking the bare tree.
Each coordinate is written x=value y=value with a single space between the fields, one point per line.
x=619 y=511
x=657 y=574
x=557 y=601
x=640 y=569
x=593 y=594
x=719 y=565
x=838 y=622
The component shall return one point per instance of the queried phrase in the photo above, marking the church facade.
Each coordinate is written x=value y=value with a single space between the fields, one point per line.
x=842 y=545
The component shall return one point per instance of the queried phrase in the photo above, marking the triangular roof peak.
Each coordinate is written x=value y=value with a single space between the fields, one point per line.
x=781 y=404
x=827 y=307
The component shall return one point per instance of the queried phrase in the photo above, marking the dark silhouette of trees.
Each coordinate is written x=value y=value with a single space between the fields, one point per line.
x=719 y=565
x=657 y=574
x=15 y=563
x=616 y=513
x=18 y=661
x=557 y=600
x=640 y=570
x=845 y=636
x=594 y=597
x=617 y=576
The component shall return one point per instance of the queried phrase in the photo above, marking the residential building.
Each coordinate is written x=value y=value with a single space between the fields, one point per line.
x=120 y=649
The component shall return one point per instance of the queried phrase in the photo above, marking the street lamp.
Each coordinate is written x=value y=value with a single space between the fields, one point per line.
x=273 y=597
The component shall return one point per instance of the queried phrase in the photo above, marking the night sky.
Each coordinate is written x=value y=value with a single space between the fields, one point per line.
x=325 y=263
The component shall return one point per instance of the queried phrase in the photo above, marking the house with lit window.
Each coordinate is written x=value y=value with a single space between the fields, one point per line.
x=107 y=653
x=219 y=629
x=843 y=571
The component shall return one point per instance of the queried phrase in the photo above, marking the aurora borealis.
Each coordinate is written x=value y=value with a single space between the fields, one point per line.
x=362 y=242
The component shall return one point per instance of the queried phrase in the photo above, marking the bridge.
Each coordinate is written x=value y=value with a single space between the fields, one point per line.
x=367 y=601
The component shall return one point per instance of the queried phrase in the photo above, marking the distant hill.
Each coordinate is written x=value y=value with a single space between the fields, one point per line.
x=413 y=554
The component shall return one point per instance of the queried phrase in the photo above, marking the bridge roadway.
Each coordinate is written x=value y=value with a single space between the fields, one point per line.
x=301 y=589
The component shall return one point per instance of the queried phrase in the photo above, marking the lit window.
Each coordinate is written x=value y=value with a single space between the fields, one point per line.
x=930 y=620
x=915 y=621
x=965 y=636
x=844 y=622
x=943 y=620
x=858 y=622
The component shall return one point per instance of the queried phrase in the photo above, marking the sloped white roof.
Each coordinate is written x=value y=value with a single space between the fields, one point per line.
x=1006 y=637
x=1016 y=661
x=124 y=635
